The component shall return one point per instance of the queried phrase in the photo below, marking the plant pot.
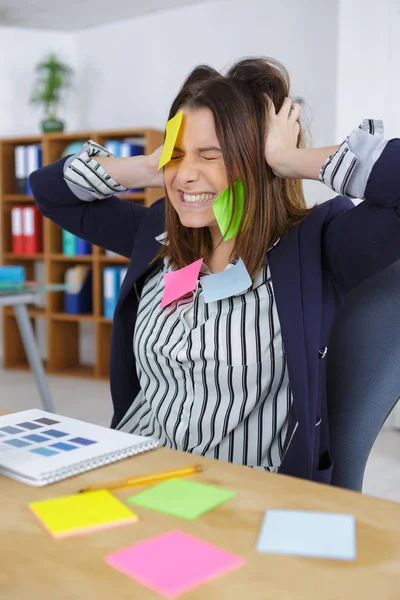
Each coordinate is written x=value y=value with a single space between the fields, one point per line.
x=52 y=125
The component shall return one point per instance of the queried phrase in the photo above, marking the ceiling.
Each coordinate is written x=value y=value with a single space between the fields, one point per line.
x=71 y=15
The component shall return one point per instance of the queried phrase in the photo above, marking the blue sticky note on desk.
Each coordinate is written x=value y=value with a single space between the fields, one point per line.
x=307 y=533
x=225 y=284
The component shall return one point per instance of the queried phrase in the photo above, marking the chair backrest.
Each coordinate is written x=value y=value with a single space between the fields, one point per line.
x=363 y=373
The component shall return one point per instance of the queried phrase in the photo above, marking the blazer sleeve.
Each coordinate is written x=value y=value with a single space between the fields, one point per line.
x=360 y=242
x=110 y=223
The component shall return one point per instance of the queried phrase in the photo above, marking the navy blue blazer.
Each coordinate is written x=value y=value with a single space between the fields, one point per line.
x=335 y=248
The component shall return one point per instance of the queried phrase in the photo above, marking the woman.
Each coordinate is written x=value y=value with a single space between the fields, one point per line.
x=241 y=378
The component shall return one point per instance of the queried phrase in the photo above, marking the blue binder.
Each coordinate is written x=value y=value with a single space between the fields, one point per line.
x=83 y=247
x=81 y=302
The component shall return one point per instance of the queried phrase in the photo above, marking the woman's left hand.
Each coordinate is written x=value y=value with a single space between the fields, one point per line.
x=282 y=135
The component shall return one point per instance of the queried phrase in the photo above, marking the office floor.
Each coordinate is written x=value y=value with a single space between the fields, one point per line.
x=90 y=401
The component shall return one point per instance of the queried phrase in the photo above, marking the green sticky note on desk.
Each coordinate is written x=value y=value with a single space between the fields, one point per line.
x=223 y=210
x=182 y=498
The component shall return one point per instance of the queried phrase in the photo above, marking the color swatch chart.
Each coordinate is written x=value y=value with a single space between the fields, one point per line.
x=41 y=436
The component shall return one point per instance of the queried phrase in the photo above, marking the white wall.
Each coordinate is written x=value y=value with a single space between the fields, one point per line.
x=131 y=71
x=20 y=51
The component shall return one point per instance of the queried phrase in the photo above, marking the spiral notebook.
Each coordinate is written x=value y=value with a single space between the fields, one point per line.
x=38 y=447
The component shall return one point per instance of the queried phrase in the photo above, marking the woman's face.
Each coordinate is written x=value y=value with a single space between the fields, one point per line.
x=196 y=173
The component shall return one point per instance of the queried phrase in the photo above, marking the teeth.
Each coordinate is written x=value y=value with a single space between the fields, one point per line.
x=197 y=197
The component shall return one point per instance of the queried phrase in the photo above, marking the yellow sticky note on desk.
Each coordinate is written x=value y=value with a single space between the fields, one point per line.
x=171 y=133
x=82 y=513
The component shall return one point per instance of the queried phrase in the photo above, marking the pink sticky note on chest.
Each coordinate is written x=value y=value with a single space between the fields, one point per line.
x=179 y=283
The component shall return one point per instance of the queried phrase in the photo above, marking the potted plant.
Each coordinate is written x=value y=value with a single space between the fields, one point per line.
x=52 y=79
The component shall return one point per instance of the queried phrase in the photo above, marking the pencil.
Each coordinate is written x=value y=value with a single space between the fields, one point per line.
x=143 y=479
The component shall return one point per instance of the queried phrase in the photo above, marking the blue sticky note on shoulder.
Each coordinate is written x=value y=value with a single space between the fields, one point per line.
x=307 y=533
x=230 y=282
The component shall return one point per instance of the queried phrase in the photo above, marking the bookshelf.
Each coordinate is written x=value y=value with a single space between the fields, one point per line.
x=62 y=331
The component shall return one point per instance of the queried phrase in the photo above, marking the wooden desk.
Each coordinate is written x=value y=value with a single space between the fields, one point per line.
x=34 y=566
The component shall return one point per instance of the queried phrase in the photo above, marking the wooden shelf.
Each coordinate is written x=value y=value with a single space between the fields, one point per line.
x=61 y=316
x=104 y=320
x=116 y=260
x=79 y=258
x=136 y=196
x=22 y=257
x=34 y=312
x=63 y=331
x=18 y=198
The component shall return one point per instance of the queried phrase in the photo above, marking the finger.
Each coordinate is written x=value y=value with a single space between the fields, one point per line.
x=270 y=107
x=294 y=112
x=285 y=108
x=297 y=131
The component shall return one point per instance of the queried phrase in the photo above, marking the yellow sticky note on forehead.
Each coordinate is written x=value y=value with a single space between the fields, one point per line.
x=171 y=133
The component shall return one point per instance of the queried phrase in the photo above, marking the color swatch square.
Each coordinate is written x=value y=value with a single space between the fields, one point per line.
x=17 y=443
x=55 y=433
x=82 y=441
x=11 y=430
x=82 y=513
x=64 y=447
x=307 y=533
x=43 y=451
x=46 y=421
x=182 y=498
x=34 y=437
x=29 y=425
x=173 y=563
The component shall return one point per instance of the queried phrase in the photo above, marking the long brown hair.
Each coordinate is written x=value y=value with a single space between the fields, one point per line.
x=238 y=102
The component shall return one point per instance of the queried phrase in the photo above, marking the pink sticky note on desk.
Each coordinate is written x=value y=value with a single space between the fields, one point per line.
x=179 y=283
x=173 y=563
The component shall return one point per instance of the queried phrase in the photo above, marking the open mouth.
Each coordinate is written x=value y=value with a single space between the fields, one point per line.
x=201 y=199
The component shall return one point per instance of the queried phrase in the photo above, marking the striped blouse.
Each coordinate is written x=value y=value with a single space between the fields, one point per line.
x=213 y=376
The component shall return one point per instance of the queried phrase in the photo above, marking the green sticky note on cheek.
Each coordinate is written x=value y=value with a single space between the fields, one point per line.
x=223 y=210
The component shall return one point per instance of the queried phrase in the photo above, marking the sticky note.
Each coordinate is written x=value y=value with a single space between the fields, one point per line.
x=181 y=282
x=82 y=513
x=173 y=563
x=306 y=533
x=182 y=498
x=171 y=133
x=223 y=210
x=230 y=282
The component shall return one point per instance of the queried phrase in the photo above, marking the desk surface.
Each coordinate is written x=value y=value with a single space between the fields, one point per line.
x=33 y=565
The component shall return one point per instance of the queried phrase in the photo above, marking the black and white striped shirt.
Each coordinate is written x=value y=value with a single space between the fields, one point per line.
x=213 y=376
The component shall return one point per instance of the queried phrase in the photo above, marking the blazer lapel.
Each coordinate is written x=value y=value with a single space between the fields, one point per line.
x=284 y=262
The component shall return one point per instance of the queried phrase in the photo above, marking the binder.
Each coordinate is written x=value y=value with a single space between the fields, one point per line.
x=110 y=290
x=122 y=273
x=20 y=169
x=113 y=147
x=79 y=301
x=83 y=247
x=17 y=245
x=69 y=243
x=32 y=230
x=12 y=274
x=33 y=161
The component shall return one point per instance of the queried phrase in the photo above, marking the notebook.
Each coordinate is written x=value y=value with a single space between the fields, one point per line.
x=39 y=448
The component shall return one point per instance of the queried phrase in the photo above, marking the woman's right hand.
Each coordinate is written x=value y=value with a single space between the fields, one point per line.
x=156 y=178
x=135 y=171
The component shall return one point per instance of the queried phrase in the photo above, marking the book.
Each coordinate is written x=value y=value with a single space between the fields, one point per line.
x=39 y=448
x=17 y=240
x=69 y=243
x=32 y=230
x=111 y=282
x=33 y=161
x=21 y=169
